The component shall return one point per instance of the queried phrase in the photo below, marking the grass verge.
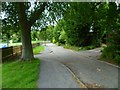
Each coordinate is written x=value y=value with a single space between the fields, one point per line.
x=20 y=43
x=71 y=47
x=18 y=74
x=38 y=49
x=111 y=54
x=76 y=48
x=111 y=61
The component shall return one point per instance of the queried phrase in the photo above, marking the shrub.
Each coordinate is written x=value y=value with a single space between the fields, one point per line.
x=112 y=52
x=89 y=47
x=117 y=58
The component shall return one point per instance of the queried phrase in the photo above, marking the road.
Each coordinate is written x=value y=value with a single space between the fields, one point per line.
x=84 y=64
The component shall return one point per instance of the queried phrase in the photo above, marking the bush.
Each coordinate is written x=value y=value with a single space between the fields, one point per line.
x=117 y=58
x=58 y=43
x=62 y=37
x=112 y=52
x=89 y=47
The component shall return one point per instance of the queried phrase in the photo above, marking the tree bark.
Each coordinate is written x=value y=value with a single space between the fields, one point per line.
x=25 y=24
x=27 y=52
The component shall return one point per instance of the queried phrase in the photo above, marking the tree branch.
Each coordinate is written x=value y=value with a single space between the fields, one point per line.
x=37 y=13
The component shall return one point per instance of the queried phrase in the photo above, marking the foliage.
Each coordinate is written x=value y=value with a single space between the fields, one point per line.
x=35 y=35
x=18 y=74
x=21 y=16
x=49 y=32
x=8 y=34
x=88 y=47
x=38 y=49
x=57 y=31
x=71 y=47
x=74 y=28
x=88 y=25
x=76 y=48
x=112 y=51
x=46 y=33
x=79 y=24
x=62 y=37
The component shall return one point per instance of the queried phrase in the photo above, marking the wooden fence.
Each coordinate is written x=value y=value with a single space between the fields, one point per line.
x=13 y=50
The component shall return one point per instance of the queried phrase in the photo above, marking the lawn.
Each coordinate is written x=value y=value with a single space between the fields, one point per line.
x=38 y=49
x=20 y=43
x=20 y=74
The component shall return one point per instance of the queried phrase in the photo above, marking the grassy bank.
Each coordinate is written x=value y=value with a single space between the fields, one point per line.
x=38 y=49
x=112 y=61
x=71 y=47
x=107 y=54
x=18 y=74
x=20 y=43
x=21 y=74
x=76 y=48
x=111 y=54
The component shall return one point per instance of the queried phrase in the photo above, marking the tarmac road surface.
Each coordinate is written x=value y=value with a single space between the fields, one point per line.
x=84 y=64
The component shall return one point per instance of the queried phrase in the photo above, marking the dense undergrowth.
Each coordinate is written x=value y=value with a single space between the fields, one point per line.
x=112 y=52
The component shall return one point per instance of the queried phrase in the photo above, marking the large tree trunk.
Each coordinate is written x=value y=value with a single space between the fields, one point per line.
x=27 y=52
x=25 y=24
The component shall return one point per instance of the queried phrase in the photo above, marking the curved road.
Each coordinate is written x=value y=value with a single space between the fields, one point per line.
x=84 y=64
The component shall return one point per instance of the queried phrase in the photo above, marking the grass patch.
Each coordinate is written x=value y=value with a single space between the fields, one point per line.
x=76 y=48
x=38 y=49
x=20 y=43
x=71 y=47
x=88 y=47
x=112 y=61
x=18 y=74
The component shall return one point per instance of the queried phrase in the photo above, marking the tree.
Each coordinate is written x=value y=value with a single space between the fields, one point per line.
x=78 y=20
x=20 y=14
x=112 y=51
x=74 y=27
x=25 y=25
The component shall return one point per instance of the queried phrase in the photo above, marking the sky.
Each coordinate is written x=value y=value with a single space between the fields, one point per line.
x=2 y=15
